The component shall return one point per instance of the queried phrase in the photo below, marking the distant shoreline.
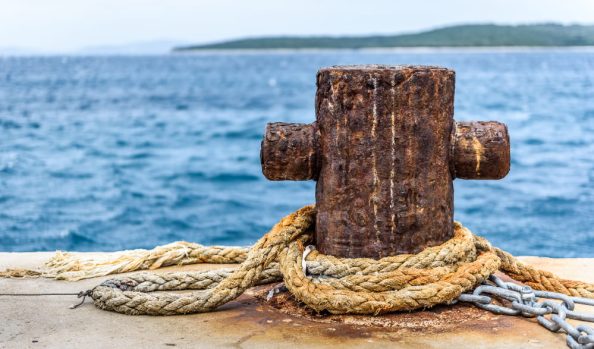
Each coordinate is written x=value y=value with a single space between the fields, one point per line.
x=463 y=36
x=445 y=49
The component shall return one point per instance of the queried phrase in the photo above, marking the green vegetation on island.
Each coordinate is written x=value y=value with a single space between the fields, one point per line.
x=477 y=35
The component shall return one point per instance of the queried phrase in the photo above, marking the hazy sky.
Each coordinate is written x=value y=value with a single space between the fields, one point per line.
x=65 y=25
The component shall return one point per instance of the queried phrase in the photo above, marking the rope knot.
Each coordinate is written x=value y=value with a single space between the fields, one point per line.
x=83 y=295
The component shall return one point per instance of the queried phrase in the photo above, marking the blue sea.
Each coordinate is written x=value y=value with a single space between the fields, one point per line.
x=110 y=153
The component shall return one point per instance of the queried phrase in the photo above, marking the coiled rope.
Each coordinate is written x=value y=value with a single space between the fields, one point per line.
x=436 y=275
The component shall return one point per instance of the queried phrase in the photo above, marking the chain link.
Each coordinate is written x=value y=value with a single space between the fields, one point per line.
x=524 y=301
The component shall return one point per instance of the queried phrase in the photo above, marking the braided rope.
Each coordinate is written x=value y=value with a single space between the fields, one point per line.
x=73 y=267
x=436 y=275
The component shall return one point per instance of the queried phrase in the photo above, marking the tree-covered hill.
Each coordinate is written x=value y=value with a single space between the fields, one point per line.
x=477 y=35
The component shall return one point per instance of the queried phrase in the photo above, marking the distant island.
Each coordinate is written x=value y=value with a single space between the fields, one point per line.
x=476 y=35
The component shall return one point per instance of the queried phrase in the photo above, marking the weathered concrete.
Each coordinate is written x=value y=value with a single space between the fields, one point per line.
x=47 y=322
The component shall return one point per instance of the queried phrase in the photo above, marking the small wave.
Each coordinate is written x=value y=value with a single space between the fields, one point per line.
x=234 y=177
x=534 y=141
x=191 y=175
x=9 y=124
x=18 y=161
x=553 y=206
x=173 y=224
x=70 y=175
x=219 y=177
x=573 y=143
x=141 y=155
x=67 y=240
x=189 y=200
x=239 y=134
x=75 y=240
x=7 y=162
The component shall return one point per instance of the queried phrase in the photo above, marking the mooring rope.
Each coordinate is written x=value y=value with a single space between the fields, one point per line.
x=436 y=275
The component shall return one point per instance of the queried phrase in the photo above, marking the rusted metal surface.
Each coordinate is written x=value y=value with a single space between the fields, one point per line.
x=384 y=150
x=385 y=186
x=481 y=150
x=289 y=151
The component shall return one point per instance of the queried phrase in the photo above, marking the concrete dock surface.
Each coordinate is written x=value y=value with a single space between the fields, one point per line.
x=252 y=322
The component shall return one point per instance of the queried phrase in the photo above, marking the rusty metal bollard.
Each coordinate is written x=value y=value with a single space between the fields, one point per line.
x=384 y=150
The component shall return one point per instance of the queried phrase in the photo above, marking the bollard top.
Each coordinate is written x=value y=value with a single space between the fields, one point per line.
x=422 y=76
x=384 y=67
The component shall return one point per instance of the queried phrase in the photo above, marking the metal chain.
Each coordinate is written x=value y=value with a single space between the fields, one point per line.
x=524 y=301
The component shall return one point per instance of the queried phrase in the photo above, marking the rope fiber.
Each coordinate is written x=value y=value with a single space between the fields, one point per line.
x=436 y=275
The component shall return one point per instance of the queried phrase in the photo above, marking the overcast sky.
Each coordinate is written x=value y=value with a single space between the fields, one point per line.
x=68 y=25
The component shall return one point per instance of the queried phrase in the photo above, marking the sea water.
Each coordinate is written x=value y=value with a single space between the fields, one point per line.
x=110 y=153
